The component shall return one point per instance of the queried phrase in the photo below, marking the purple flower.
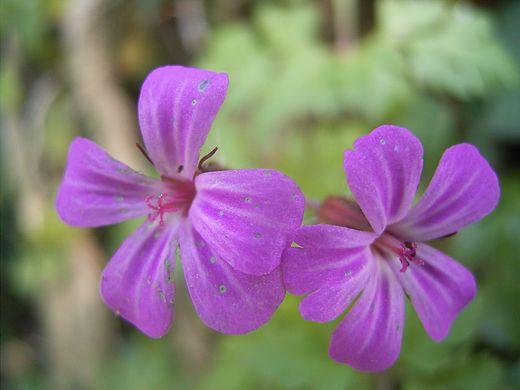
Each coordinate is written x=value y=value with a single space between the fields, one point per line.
x=232 y=226
x=376 y=255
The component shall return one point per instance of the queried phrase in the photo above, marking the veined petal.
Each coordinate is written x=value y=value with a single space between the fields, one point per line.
x=439 y=289
x=137 y=283
x=177 y=106
x=383 y=172
x=227 y=300
x=97 y=190
x=326 y=254
x=463 y=190
x=369 y=337
x=330 y=300
x=247 y=215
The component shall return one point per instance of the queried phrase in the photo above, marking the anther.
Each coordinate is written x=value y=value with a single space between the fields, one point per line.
x=409 y=254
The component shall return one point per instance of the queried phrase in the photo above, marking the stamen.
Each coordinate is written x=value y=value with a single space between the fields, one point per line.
x=206 y=158
x=161 y=206
x=409 y=254
x=405 y=250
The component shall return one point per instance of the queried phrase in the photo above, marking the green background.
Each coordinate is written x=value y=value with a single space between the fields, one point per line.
x=306 y=79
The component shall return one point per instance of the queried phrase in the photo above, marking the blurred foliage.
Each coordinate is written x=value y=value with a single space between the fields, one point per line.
x=448 y=70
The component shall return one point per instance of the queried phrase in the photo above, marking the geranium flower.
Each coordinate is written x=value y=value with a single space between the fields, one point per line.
x=374 y=253
x=231 y=225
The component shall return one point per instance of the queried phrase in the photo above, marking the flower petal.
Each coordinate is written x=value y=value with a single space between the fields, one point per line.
x=330 y=300
x=177 y=106
x=227 y=300
x=137 y=282
x=369 y=337
x=247 y=216
x=463 y=190
x=439 y=289
x=97 y=190
x=326 y=254
x=383 y=172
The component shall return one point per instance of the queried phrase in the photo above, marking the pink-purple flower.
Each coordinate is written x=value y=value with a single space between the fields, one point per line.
x=231 y=225
x=372 y=252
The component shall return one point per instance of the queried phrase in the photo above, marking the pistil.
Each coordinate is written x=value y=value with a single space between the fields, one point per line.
x=163 y=204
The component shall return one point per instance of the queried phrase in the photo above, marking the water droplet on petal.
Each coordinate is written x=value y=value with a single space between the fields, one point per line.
x=194 y=102
x=382 y=141
x=247 y=199
x=348 y=273
x=157 y=234
x=201 y=244
x=119 y=198
x=203 y=85
x=212 y=259
x=221 y=213
x=258 y=235
x=396 y=148
x=222 y=289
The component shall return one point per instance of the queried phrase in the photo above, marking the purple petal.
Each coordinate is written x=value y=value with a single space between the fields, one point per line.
x=137 y=283
x=227 y=300
x=383 y=172
x=326 y=254
x=247 y=215
x=369 y=337
x=463 y=190
x=97 y=190
x=330 y=300
x=439 y=289
x=177 y=106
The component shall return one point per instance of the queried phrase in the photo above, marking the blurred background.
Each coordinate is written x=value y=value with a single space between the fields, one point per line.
x=307 y=78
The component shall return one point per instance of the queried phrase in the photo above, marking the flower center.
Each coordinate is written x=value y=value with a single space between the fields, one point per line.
x=179 y=196
x=405 y=250
x=340 y=211
x=163 y=204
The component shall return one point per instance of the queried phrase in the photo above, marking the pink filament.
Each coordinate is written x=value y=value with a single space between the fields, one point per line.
x=160 y=207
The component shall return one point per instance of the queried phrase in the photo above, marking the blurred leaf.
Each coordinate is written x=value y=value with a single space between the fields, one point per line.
x=471 y=373
x=36 y=268
x=373 y=81
x=142 y=363
x=319 y=154
x=490 y=245
x=281 y=355
x=26 y=22
x=449 y=49
x=11 y=92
